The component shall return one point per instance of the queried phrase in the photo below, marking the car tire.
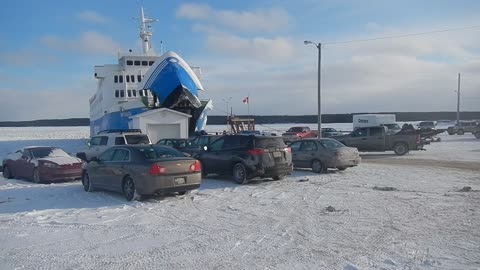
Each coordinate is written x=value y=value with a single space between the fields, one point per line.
x=87 y=184
x=36 y=176
x=240 y=174
x=341 y=168
x=460 y=132
x=400 y=149
x=185 y=192
x=129 y=189
x=278 y=177
x=318 y=166
x=7 y=173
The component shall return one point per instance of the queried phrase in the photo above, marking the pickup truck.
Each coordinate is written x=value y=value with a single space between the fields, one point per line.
x=476 y=132
x=376 y=139
x=297 y=133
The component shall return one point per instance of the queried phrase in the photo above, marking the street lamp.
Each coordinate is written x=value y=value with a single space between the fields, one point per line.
x=227 y=101
x=319 y=47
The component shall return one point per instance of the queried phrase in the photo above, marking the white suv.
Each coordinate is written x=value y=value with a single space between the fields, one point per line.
x=108 y=138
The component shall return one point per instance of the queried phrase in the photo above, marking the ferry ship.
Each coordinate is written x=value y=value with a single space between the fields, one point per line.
x=141 y=82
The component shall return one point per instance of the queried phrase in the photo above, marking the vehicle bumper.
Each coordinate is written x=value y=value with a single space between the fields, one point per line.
x=59 y=175
x=344 y=162
x=272 y=171
x=167 y=184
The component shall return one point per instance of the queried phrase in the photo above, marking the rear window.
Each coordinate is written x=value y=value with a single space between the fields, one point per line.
x=269 y=142
x=295 y=129
x=137 y=139
x=331 y=144
x=159 y=153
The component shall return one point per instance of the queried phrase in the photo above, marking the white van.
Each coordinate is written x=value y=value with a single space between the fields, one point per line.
x=376 y=120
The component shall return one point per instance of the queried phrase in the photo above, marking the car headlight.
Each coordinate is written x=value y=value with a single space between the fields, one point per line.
x=50 y=165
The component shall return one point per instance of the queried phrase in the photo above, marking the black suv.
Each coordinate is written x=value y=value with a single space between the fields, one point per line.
x=246 y=157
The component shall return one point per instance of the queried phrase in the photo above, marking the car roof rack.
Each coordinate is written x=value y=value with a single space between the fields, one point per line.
x=119 y=131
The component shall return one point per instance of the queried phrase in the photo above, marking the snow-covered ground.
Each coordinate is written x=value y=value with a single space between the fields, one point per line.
x=307 y=221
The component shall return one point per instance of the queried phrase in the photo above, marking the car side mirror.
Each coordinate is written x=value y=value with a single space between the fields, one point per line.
x=88 y=143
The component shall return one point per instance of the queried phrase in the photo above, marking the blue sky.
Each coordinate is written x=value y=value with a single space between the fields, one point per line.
x=48 y=50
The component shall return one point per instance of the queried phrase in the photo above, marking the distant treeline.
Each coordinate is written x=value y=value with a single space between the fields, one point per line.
x=267 y=119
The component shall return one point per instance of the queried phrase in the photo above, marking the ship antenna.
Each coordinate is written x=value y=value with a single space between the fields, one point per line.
x=145 y=33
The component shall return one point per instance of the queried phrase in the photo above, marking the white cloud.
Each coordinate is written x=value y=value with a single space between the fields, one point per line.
x=260 y=20
x=25 y=58
x=91 y=17
x=88 y=42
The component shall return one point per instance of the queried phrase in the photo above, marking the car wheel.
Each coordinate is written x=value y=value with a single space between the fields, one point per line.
x=400 y=149
x=36 y=176
x=477 y=135
x=460 y=132
x=129 y=189
x=240 y=174
x=342 y=168
x=7 y=173
x=318 y=166
x=278 y=177
x=185 y=192
x=87 y=185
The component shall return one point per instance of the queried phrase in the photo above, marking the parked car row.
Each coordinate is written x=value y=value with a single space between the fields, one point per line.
x=137 y=168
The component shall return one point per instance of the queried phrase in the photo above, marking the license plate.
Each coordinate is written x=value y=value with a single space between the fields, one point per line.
x=179 y=180
x=277 y=154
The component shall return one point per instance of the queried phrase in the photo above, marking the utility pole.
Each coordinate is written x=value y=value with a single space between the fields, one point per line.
x=458 y=101
x=319 y=96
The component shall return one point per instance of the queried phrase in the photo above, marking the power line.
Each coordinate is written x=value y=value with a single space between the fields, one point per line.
x=400 y=36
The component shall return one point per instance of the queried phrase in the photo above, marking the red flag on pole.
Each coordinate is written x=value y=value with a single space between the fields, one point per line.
x=245 y=100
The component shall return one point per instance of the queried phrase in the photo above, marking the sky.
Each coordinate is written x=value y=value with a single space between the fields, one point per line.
x=254 y=48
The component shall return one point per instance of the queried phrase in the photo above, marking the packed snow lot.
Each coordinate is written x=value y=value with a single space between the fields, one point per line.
x=340 y=220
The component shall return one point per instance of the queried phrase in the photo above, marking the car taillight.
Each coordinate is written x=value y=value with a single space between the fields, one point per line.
x=287 y=149
x=196 y=167
x=155 y=169
x=256 y=151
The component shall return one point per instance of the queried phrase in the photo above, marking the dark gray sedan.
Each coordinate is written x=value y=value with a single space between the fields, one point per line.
x=321 y=154
x=138 y=170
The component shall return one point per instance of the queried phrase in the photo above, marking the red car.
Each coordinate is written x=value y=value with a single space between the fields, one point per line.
x=42 y=164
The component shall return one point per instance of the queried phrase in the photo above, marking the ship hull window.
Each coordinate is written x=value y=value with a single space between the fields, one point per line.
x=140 y=93
x=122 y=93
x=139 y=78
x=134 y=92
x=132 y=78
x=127 y=78
x=120 y=79
x=115 y=79
x=117 y=93
x=129 y=93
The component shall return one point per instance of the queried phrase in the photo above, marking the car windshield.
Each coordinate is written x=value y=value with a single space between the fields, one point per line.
x=159 y=153
x=295 y=129
x=392 y=126
x=182 y=143
x=331 y=144
x=269 y=142
x=48 y=152
x=137 y=139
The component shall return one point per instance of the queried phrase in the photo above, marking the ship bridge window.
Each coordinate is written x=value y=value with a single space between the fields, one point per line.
x=120 y=78
x=139 y=78
x=122 y=93
x=132 y=78
x=134 y=92
x=115 y=79
x=117 y=93
x=137 y=62
x=129 y=93
x=151 y=63
x=129 y=63
x=127 y=77
x=144 y=63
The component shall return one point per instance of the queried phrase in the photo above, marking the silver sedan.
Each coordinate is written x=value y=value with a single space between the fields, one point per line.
x=321 y=154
